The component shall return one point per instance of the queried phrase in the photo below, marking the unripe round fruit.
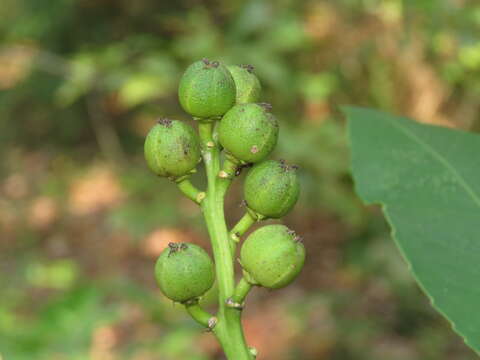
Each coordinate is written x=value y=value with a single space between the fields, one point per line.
x=249 y=132
x=207 y=89
x=271 y=188
x=272 y=256
x=248 y=85
x=172 y=148
x=184 y=272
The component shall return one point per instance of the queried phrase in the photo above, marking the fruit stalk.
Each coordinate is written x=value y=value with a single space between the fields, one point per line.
x=190 y=191
x=199 y=314
x=228 y=329
x=242 y=226
x=241 y=291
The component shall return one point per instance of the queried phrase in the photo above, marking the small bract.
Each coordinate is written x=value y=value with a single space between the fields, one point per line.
x=207 y=89
x=272 y=188
x=248 y=85
x=172 y=148
x=272 y=256
x=249 y=132
x=184 y=272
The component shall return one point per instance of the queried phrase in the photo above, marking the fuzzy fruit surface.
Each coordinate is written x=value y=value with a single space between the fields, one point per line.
x=184 y=272
x=272 y=188
x=207 y=89
x=272 y=256
x=172 y=148
x=247 y=84
x=249 y=132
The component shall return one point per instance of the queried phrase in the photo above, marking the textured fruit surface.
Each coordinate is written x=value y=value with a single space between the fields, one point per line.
x=172 y=148
x=271 y=188
x=273 y=256
x=207 y=89
x=247 y=84
x=249 y=132
x=184 y=272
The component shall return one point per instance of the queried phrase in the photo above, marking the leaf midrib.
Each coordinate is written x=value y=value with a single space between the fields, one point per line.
x=440 y=158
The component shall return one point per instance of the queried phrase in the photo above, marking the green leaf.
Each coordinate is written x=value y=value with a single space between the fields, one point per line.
x=427 y=179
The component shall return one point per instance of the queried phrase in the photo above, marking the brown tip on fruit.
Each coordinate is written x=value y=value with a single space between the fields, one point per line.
x=165 y=122
x=210 y=64
x=286 y=167
x=254 y=149
x=248 y=67
x=265 y=106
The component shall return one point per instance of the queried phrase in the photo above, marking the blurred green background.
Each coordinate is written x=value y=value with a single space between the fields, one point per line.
x=82 y=220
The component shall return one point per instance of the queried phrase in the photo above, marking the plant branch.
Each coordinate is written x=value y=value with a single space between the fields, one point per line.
x=228 y=328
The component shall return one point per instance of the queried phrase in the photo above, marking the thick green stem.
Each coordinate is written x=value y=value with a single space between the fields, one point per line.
x=241 y=291
x=228 y=328
x=199 y=314
x=229 y=169
x=190 y=191
x=242 y=226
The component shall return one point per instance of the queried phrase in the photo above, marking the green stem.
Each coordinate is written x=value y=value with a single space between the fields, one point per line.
x=241 y=291
x=228 y=170
x=228 y=328
x=198 y=313
x=190 y=191
x=242 y=226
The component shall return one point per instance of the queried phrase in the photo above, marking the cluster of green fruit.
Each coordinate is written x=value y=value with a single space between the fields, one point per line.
x=247 y=131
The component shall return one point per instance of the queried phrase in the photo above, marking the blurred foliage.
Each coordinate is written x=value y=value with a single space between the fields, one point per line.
x=82 y=220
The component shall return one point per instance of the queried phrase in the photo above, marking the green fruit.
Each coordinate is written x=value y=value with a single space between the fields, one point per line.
x=272 y=256
x=249 y=132
x=248 y=85
x=184 y=272
x=271 y=188
x=207 y=89
x=172 y=148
